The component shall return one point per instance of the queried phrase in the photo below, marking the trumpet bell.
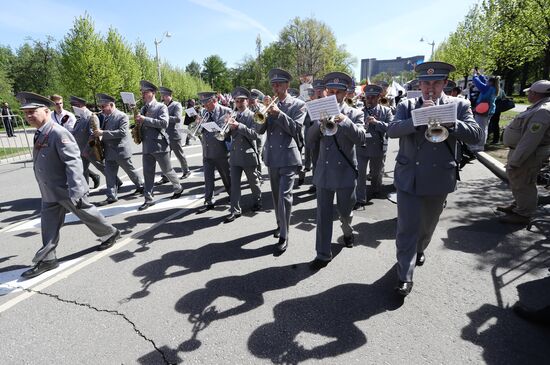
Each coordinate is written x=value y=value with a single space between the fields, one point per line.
x=436 y=133
x=259 y=118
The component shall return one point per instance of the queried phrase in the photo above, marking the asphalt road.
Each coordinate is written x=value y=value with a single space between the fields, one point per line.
x=182 y=287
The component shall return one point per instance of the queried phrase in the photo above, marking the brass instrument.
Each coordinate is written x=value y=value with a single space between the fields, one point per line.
x=435 y=133
x=222 y=134
x=96 y=144
x=329 y=126
x=136 y=128
x=261 y=115
x=196 y=126
x=351 y=101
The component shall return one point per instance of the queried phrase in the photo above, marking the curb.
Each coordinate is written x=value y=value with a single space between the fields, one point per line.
x=493 y=164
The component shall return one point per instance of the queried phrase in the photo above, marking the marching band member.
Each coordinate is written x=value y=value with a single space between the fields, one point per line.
x=312 y=150
x=153 y=121
x=336 y=170
x=425 y=172
x=117 y=144
x=244 y=155
x=372 y=154
x=257 y=96
x=215 y=153
x=281 y=154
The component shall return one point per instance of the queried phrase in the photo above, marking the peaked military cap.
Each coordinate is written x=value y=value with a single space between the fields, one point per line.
x=450 y=85
x=337 y=80
x=75 y=100
x=165 y=91
x=256 y=94
x=145 y=85
x=240 y=92
x=373 y=89
x=30 y=100
x=104 y=99
x=436 y=70
x=412 y=85
x=279 y=75
x=541 y=87
x=294 y=92
x=205 y=96
x=318 y=85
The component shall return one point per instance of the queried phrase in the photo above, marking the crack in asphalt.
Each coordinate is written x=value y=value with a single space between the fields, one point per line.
x=109 y=311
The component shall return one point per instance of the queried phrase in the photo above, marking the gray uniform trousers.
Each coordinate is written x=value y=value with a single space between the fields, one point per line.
x=177 y=148
x=345 y=200
x=53 y=217
x=417 y=217
x=282 y=182
x=86 y=165
x=149 y=165
x=376 y=170
x=253 y=180
x=210 y=165
x=111 y=171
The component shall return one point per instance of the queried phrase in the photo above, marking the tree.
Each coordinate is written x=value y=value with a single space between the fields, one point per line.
x=147 y=65
x=126 y=65
x=193 y=69
x=214 y=72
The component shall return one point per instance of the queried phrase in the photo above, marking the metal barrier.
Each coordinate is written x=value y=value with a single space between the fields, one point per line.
x=15 y=140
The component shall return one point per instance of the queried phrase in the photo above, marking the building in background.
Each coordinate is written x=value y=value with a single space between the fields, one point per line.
x=371 y=67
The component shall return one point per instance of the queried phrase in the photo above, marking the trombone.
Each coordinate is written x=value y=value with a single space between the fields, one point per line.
x=261 y=115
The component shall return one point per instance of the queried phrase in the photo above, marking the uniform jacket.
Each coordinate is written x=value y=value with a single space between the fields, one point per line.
x=423 y=167
x=82 y=133
x=280 y=147
x=529 y=133
x=211 y=147
x=153 y=127
x=57 y=165
x=333 y=171
x=116 y=136
x=243 y=147
x=377 y=143
x=175 y=124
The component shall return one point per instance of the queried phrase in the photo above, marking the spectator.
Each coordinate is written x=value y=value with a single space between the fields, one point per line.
x=7 y=119
x=494 y=128
x=485 y=105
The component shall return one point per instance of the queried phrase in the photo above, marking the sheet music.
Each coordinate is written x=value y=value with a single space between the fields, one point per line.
x=191 y=112
x=79 y=112
x=328 y=105
x=444 y=113
x=211 y=126
x=413 y=94
x=128 y=98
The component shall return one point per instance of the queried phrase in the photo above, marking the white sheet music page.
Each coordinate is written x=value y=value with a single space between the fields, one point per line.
x=327 y=105
x=128 y=98
x=211 y=126
x=444 y=113
x=191 y=112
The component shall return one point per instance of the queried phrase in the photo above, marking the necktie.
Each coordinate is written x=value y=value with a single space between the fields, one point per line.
x=36 y=135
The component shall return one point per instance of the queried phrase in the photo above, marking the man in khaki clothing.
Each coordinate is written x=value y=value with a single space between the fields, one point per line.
x=528 y=137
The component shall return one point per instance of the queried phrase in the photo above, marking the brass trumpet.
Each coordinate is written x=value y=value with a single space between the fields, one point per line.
x=329 y=126
x=435 y=133
x=351 y=101
x=261 y=115
x=196 y=126
x=222 y=134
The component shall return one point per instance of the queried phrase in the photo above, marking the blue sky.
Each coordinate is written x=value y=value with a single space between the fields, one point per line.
x=201 y=28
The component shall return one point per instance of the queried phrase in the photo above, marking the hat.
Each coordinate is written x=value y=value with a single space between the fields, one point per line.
x=104 y=99
x=337 y=80
x=318 y=85
x=373 y=90
x=240 y=92
x=310 y=91
x=30 y=100
x=293 y=92
x=75 y=100
x=256 y=94
x=205 y=96
x=351 y=88
x=165 y=91
x=541 y=86
x=145 y=85
x=436 y=70
x=278 y=75
x=450 y=85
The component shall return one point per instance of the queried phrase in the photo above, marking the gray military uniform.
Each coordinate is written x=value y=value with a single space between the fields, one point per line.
x=82 y=133
x=175 y=125
x=118 y=151
x=335 y=174
x=425 y=173
x=244 y=157
x=59 y=173
x=155 y=146
x=215 y=155
x=373 y=152
x=282 y=156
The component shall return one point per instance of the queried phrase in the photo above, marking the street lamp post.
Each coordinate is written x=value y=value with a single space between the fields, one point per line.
x=431 y=44
x=157 y=42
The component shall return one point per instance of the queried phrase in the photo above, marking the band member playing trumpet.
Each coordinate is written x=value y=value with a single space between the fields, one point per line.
x=256 y=97
x=425 y=172
x=281 y=154
x=153 y=121
x=118 y=148
x=336 y=170
x=244 y=154
x=372 y=154
x=312 y=150
x=215 y=153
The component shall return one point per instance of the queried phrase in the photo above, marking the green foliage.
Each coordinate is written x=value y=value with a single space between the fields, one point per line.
x=193 y=69
x=215 y=73
x=125 y=63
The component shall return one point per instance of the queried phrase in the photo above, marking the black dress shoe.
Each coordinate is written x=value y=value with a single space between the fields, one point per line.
x=109 y=242
x=282 y=245
x=105 y=202
x=205 y=207
x=359 y=205
x=177 y=194
x=312 y=189
x=146 y=205
x=119 y=183
x=185 y=175
x=96 y=179
x=318 y=264
x=231 y=217
x=420 y=258
x=277 y=232
x=138 y=191
x=348 y=241
x=162 y=181
x=256 y=207
x=404 y=288
x=40 y=268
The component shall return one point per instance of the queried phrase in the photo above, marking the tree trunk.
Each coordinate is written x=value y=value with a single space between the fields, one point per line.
x=546 y=64
x=523 y=79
